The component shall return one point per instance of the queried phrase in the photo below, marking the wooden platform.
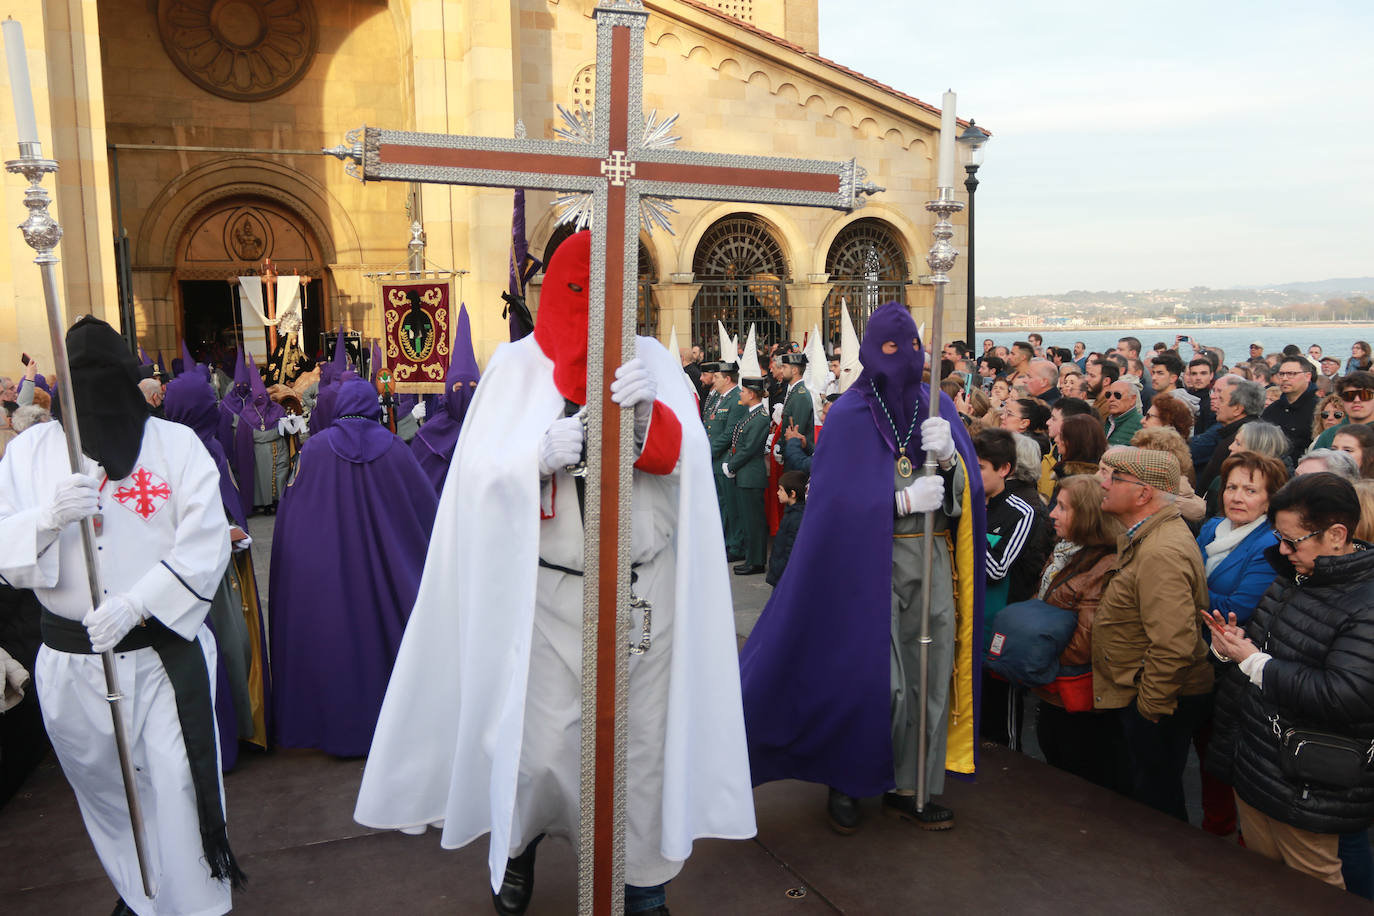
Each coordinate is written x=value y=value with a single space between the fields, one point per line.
x=1029 y=840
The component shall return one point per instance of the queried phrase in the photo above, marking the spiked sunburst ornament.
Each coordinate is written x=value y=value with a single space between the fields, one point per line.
x=577 y=208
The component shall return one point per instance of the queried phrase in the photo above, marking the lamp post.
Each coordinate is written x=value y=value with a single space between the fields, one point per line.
x=971 y=144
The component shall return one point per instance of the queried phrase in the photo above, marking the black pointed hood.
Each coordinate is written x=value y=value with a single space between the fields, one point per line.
x=110 y=410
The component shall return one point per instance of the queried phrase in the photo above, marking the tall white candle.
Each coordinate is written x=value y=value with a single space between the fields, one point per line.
x=18 y=62
x=947 y=129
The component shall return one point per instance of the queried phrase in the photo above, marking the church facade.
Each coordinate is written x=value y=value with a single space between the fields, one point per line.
x=189 y=134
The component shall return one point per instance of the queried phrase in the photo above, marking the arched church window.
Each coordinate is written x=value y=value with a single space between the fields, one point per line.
x=647 y=323
x=867 y=267
x=742 y=269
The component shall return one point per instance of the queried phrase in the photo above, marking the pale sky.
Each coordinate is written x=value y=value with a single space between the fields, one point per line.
x=1145 y=145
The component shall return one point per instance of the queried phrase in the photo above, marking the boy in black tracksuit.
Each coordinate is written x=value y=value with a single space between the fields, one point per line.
x=792 y=494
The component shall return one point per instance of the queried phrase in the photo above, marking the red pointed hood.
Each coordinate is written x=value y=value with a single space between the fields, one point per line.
x=561 y=326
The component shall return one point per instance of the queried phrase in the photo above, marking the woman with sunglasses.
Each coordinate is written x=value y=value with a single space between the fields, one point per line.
x=1233 y=546
x=1305 y=660
x=1330 y=412
x=1356 y=392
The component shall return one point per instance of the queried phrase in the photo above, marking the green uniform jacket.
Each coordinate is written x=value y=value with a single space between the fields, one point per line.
x=798 y=409
x=720 y=424
x=746 y=451
x=708 y=406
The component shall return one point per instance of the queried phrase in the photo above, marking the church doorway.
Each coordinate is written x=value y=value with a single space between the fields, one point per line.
x=867 y=268
x=232 y=238
x=742 y=271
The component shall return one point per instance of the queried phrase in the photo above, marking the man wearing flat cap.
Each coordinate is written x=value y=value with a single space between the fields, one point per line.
x=1149 y=659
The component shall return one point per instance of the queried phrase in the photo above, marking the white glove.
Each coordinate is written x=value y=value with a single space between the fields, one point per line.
x=77 y=496
x=418 y=411
x=561 y=447
x=13 y=678
x=925 y=495
x=112 y=621
x=634 y=386
x=725 y=466
x=777 y=414
x=936 y=438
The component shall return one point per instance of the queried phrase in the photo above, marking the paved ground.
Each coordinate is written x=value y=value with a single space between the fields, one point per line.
x=1029 y=839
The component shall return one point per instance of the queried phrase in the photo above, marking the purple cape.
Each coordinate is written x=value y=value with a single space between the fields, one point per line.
x=433 y=445
x=347 y=554
x=814 y=672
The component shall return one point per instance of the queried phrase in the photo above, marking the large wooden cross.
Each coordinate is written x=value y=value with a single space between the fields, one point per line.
x=618 y=163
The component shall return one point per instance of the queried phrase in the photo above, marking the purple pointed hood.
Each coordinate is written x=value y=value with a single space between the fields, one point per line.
x=895 y=377
x=260 y=412
x=332 y=370
x=461 y=382
x=376 y=361
x=241 y=394
x=161 y=366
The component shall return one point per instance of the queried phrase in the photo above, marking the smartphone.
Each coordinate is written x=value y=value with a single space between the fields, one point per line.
x=24 y=358
x=1182 y=337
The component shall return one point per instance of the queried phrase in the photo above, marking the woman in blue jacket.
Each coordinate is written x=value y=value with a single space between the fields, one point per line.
x=1238 y=574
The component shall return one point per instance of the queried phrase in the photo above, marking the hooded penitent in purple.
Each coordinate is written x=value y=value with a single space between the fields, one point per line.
x=190 y=400
x=260 y=411
x=237 y=438
x=433 y=444
x=331 y=373
x=815 y=670
x=347 y=553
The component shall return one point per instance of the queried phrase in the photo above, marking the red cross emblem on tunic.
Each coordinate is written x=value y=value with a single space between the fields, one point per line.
x=146 y=495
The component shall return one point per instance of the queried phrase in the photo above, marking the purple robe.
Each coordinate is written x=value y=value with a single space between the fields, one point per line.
x=190 y=401
x=259 y=409
x=347 y=554
x=815 y=671
x=433 y=445
x=237 y=441
x=331 y=373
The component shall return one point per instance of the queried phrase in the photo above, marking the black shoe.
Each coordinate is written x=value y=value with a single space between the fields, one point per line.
x=745 y=570
x=734 y=557
x=517 y=887
x=842 y=811
x=122 y=909
x=934 y=817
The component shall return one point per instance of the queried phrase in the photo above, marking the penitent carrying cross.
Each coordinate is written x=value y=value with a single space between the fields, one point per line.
x=617 y=174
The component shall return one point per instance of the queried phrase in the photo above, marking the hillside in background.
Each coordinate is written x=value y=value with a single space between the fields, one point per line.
x=1319 y=300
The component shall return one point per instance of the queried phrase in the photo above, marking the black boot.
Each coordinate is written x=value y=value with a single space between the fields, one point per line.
x=842 y=811
x=517 y=887
x=933 y=817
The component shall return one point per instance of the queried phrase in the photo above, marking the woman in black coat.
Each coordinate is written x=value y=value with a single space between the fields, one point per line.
x=1305 y=660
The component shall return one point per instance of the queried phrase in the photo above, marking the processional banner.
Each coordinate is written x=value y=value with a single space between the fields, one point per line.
x=417 y=330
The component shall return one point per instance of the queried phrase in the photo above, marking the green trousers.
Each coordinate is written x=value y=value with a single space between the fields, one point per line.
x=753 y=524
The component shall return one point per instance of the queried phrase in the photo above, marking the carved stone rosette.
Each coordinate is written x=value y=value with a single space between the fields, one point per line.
x=244 y=50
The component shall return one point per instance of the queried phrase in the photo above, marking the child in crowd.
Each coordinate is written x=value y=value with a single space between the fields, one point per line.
x=792 y=495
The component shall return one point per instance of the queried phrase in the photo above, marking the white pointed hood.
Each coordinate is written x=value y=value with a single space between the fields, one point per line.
x=729 y=352
x=673 y=346
x=749 y=363
x=850 y=367
x=817 y=370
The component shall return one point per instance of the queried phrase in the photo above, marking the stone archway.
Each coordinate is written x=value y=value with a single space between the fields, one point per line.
x=230 y=238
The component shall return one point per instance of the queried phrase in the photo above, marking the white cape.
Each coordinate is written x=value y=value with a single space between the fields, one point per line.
x=448 y=742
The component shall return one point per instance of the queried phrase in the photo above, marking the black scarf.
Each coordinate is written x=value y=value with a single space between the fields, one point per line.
x=110 y=410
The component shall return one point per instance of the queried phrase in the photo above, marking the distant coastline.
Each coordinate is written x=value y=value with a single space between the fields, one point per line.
x=1164 y=328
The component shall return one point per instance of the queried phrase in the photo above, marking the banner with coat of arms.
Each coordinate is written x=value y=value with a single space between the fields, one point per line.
x=417 y=330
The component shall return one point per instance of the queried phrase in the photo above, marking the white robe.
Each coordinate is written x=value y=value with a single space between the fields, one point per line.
x=480 y=729
x=170 y=560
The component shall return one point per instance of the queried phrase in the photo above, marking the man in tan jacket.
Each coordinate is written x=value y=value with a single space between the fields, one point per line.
x=1149 y=659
